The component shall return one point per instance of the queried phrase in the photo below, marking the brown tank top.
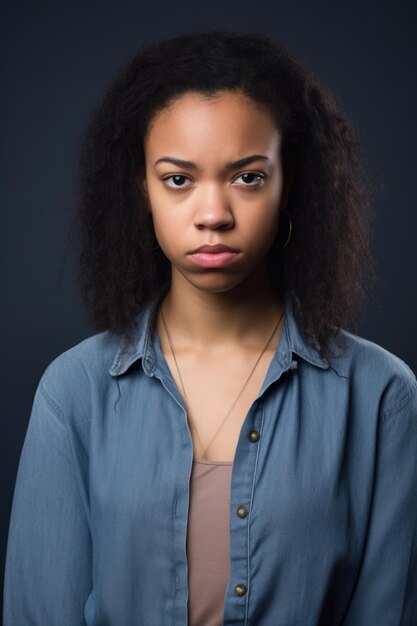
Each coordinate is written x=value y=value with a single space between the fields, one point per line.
x=208 y=541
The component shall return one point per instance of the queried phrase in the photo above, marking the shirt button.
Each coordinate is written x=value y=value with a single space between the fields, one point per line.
x=253 y=435
x=240 y=589
x=242 y=511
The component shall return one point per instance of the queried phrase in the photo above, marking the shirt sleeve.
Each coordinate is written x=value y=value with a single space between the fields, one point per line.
x=386 y=589
x=48 y=571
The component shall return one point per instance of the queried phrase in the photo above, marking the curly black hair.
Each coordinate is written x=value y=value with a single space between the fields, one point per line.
x=328 y=259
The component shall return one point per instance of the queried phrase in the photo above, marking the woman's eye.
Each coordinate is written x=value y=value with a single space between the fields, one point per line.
x=177 y=179
x=250 y=179
x=250 y=176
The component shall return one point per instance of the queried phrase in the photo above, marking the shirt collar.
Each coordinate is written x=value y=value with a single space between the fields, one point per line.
x=295 y=342
x=292 y=340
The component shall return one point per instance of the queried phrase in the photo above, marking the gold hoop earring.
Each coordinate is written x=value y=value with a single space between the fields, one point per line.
x=290 y=230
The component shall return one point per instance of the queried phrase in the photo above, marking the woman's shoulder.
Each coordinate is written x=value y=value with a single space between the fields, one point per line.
x=91 y=356
x=370 y=365
x=76 y=374
x=359 y=351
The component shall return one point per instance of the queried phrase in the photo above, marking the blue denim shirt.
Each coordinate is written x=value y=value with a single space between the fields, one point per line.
x=326 y=464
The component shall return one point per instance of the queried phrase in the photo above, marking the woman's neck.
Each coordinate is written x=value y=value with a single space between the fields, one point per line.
x=218 y=322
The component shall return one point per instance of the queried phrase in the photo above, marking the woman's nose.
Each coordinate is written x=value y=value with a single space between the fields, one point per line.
x=213 y=209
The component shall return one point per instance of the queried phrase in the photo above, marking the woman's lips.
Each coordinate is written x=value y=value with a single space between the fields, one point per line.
x=213 y=259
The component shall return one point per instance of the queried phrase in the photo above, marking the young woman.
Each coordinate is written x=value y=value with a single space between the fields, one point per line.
x=223 y=450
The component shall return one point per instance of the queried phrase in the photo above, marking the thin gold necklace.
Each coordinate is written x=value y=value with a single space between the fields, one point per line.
x=240 y=393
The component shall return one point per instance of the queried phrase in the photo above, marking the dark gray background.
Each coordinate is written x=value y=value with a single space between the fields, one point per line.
x=57 y=59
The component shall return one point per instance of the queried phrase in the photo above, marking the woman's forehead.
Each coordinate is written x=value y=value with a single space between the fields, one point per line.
x=226 y=124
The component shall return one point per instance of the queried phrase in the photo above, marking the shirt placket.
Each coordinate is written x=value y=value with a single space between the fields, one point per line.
x=243 y=485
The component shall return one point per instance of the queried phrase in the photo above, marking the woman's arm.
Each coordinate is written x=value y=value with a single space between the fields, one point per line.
x=386 y=590
x=48 y=562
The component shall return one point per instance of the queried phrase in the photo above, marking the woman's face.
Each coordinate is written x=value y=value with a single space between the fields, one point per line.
x=210 y=200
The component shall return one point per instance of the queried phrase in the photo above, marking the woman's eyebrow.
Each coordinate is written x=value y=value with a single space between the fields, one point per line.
x=230 y=166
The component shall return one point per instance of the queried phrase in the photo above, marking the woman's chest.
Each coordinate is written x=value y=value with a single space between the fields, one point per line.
x=303 y=457
x=218 y=398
